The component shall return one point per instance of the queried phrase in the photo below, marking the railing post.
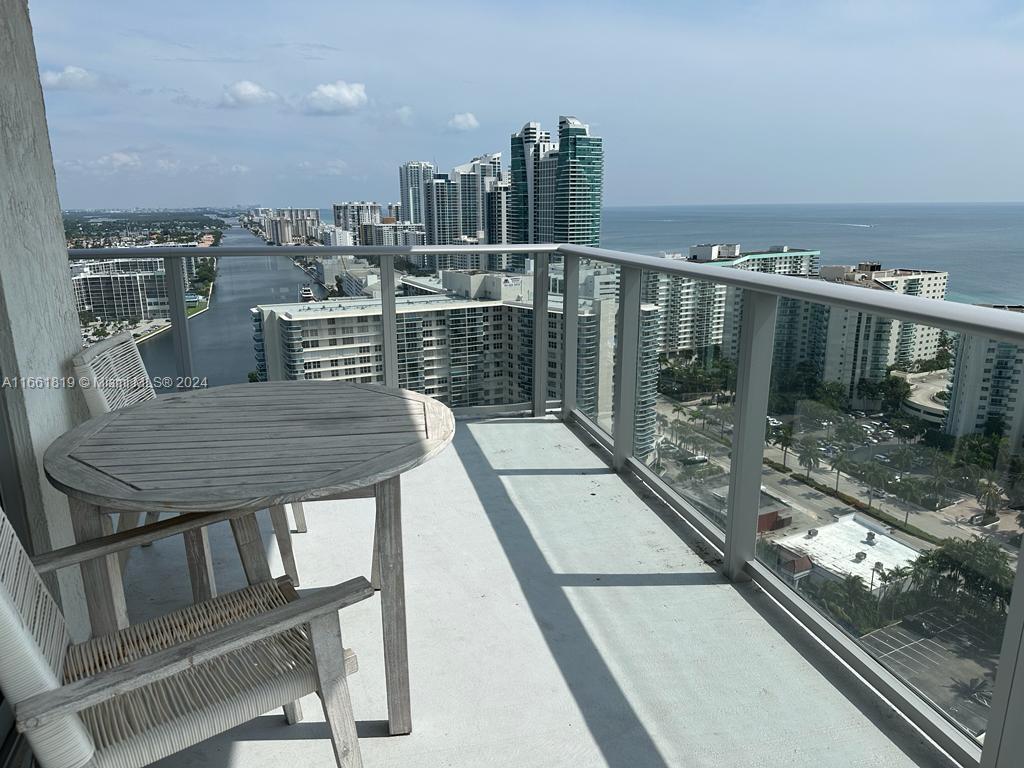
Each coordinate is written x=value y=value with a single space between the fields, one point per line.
x=1004 y=739
x=753 y=378
x=174 y=278
x=627 y=357
x=540 y=333
x=570 y=329
x=389 y=320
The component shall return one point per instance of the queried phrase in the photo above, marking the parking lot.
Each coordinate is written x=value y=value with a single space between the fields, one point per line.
x=941 y=661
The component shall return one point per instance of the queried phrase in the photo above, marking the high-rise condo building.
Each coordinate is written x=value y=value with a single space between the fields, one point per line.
x=351 y=215
x=279 y=230
x=441 y=213
x=472 y=179
x=861 y=347
x=332 y=235
x=530 y=145
x=412 y=184
x=469 y=344
x=395 y=211
x=124 y=289
x=398 y=233
x=987 y=387
x=580 y=184
x=699 y=315
x=497 y=199
x=556 y=191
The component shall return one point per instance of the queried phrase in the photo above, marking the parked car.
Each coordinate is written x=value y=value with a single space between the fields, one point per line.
x=882 y=458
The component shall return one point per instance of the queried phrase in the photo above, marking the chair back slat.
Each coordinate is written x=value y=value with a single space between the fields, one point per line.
x=33 y=644
x=116 y=374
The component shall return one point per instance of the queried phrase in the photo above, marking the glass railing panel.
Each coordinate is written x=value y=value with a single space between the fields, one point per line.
x=273 y=317
x=685 y=389
x=893 y=472
x=597 y=328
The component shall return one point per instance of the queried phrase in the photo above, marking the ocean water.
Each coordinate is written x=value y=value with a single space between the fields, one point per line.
x=980 y=245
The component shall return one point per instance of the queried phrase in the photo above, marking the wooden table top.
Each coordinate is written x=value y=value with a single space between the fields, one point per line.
x=248 y=446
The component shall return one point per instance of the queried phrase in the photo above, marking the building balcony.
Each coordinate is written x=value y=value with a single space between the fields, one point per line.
x=559 y=615
x=703 y=560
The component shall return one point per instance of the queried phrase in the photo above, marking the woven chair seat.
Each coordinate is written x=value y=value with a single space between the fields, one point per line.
x=155 y=721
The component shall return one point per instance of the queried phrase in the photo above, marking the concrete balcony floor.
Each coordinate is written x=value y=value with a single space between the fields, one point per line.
x=556 y=618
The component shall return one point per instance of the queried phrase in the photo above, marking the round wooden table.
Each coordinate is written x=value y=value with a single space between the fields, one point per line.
x=248 y=447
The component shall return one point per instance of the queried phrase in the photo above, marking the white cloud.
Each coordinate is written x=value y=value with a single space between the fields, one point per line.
x=118 y=161
x=246 y=93
x=463 y=121
x=104 y=165
x=168 y=166
x=324 y=168
x=337 y=98
x=239 y=168
x=69 y=79
x=404 y=115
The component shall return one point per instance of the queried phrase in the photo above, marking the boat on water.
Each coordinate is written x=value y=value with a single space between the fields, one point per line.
x=306 y=293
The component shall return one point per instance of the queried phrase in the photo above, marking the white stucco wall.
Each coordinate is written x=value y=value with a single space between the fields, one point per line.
x=38 y=324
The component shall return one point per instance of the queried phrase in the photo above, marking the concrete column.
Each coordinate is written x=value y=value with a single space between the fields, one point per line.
x=39 y=330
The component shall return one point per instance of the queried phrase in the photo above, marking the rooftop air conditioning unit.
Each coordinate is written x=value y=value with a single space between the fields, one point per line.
x=871 y=537
x=812 y=533
x=860 y=556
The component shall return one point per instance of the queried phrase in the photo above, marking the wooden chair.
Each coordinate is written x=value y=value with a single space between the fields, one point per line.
x=129 y=699
x=117 y=378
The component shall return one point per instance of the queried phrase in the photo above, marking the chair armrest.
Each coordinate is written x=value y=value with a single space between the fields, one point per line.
x=134 y=537
x=42 y=708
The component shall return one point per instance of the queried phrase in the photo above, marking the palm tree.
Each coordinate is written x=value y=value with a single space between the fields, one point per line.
x=977 y=689
x=662 y=421
x=903 y=460
x=990 y=496
x=937 y=485
x=808 y=455
x=842 y=463
x=784 y=439
x=874 y=477
x=695 y=414
x=848 y=433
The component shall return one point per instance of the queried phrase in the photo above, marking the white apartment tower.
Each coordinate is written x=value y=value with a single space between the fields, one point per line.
x=697 y=315
x=860 y=347
x=412 y=184
x=531 y=147
x=472 y=180
x=441 y=212
x=987 y=386
x=351 y=215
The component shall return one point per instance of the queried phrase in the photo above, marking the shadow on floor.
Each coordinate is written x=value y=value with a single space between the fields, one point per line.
x=890 y=722
x=613 y=723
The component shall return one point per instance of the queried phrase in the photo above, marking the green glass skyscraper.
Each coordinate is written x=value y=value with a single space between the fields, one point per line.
x=579 y=184
x=556 y=187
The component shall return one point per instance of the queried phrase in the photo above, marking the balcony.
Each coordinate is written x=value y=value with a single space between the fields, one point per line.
x=603 y=550
x=558 y=616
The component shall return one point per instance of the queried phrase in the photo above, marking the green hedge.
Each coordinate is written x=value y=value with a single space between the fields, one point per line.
x=856 y=503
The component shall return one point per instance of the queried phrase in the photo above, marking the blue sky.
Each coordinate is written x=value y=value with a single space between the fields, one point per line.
x=698 y=102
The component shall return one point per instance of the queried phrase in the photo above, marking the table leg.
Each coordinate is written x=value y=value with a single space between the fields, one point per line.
x=279 y=517
x=250 y=548
x=392 y=603
x=101 y=577
x=200 y=564
x=300 y=517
